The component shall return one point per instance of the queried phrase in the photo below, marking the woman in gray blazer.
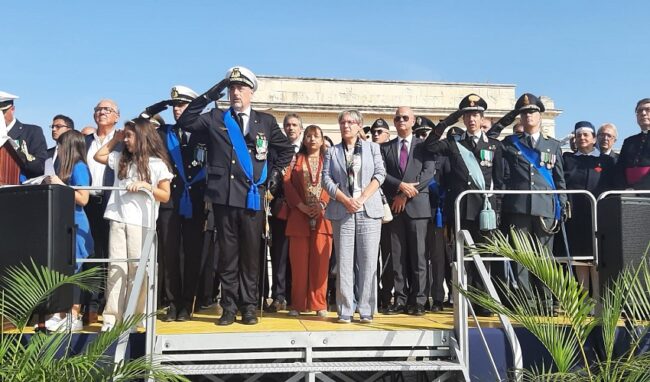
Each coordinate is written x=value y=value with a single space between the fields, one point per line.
x=352 y=173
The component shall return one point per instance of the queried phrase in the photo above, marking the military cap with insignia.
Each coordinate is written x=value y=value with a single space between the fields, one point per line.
x=366 y=129
x=242 y=75
x=584 y=125
x=423 y=124
x=472 y=102
x=182 y=93
x=6 y=100
x=528 y=101
x=380 y=123
x=455 y=132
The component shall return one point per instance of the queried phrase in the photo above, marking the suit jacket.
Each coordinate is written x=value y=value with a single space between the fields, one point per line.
x=523 y=176
x=191 y=166
x=459 y=179
x=634 y=153
x=294 y=192
x=420 y=167
x=227 y=183
x=34 y=139
x=335 y=177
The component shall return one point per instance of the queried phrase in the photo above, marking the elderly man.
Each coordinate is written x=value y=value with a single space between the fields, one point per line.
x=238 y=145
x=606 y=136
x=106 y=114
x=32 y=149
x=535 y=163
x=476 y=163
x=407 y=165
x=633 y=165
x=60 y=124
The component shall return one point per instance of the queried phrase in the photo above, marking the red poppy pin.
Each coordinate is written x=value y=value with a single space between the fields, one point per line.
x=598 y=168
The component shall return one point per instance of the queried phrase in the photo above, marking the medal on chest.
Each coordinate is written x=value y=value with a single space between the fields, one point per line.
x=547 y=159
x=261 y=146
x=200 y=154
x=487 y=158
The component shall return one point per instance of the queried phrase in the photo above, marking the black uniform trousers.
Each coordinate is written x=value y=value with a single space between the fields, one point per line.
x=436 y=261
x=239 y=238
x=174 y=230
x=281 y=278
x=385 y=278
x=408 y=250
x=208 y=289
x=478 y=236
x=530 y=224
x=99 y=227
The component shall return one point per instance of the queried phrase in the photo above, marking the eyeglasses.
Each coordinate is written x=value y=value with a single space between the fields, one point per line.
x=348 y=122
x=378 y=132
x=606 y=135
x=402 y=118
x=103 y=109
x=421 y=134
x=58 y=126
x=641 y=110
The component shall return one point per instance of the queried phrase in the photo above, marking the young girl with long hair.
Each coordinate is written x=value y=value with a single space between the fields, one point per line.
x=73 y=171
x=142 y=165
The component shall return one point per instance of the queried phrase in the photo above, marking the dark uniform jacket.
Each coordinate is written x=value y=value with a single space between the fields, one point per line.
x=227 y=183
x=420 y=167
x=190 y=147
x=523 y=176
x=34 y=139
x=459 y=180
x=635 y=153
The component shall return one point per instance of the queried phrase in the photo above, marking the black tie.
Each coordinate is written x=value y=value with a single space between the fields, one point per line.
x=240 y=121
x=470 y=140
x=529 y=140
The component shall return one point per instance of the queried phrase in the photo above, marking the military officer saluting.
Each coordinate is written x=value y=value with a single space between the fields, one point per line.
x=181 y=219
x=535 y=163
x=476 y=164
x=239 y=140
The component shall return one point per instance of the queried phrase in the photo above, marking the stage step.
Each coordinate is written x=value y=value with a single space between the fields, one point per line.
x=314 y=367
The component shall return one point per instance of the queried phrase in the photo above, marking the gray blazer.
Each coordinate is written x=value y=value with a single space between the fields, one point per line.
x=335 y=177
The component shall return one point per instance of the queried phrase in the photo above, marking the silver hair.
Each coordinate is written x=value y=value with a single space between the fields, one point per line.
x=354 y=114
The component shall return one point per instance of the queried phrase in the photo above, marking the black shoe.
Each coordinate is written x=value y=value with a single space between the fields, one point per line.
x=276 y=305
x=396 y=309
x=227 y=318
x=171 y=314
x=437 y=306
x=417 y=310
x=482 y=312
x=450 y=302
x=183 y=315
x=249 y=318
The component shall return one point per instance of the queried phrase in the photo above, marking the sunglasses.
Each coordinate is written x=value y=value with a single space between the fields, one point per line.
x=403 y=118
x=529 y=111
x=421 y=134
x=377 y=132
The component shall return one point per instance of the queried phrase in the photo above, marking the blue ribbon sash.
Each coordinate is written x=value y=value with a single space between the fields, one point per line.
x=245 y=162
x=533 y=157
x=174 y=148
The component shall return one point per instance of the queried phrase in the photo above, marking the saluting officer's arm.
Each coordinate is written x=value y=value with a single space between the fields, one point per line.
x=192 y=120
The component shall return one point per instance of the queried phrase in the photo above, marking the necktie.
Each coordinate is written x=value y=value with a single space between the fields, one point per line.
x=240 y=121
x=403 y=156
x=471 y=141
x=530 y=141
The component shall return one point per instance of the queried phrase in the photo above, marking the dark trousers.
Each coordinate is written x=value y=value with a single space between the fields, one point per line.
x=99 y=228
x=385 y=280
x=408 y=250
x=436 y=259
x=533 y=225
x=208 y=282
x=478 y=236
x=173 y=231
x=281 y=278
x=239 y=233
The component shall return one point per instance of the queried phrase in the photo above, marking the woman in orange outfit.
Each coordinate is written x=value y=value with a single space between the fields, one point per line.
x=309 y=233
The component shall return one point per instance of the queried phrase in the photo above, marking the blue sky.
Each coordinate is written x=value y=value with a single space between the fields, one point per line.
x=591 y=57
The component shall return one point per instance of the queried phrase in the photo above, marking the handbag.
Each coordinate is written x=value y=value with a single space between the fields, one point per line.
x=388 y=215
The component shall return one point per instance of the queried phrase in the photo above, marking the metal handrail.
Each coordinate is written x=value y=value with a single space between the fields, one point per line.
x=461 y=325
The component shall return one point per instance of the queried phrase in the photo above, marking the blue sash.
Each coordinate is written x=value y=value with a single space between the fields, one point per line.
x=533 y=157
x=435 y=188
x=174 y=148
x=245 y=162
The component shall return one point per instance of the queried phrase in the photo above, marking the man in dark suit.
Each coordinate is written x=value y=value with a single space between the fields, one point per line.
x=473 y=151
x=606 y=137
x=633 y=166
x=60 y=124
x=32 y=149
x=181 y=219
x=533 y=159
x=407 y=165
x=238 y=144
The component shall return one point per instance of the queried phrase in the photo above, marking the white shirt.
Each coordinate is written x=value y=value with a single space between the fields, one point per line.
x=134 y=207
x=593 y=153
x=97 y=169
x=408 y=140
x=535 y=137
x=296 y=144
x=10 y=125
x=245 y=118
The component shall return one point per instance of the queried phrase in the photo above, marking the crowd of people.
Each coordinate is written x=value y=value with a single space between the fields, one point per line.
x=364 y=226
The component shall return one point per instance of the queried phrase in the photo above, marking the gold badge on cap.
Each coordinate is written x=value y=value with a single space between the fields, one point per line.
x=473 y=99
x=419 y=120
x=235 y=73
x=174 y=92
x=526 y=101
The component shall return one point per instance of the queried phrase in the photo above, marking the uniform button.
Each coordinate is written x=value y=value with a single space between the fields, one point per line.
x=469 y=183
x=189 y=177
x=189 y=187
x=232 y=177
x=250 y=151
x=189 y=166
x=532 y=173
x=532 y=183
x=173 y=186
x=233 y=161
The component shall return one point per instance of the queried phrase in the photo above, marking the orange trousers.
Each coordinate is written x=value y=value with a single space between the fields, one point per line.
x=309 y=258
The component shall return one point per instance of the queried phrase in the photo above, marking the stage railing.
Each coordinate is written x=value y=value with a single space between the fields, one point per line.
x=463 y=238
